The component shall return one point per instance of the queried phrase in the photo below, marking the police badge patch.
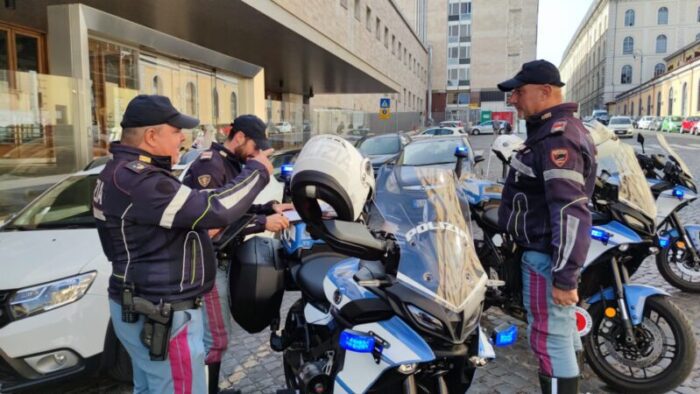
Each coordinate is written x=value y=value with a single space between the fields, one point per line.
x=558 y=126
x=559 y=156
x=204 y=180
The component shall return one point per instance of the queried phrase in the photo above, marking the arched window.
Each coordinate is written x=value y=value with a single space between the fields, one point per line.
x=659 y=69
x=662 y=18
x=628 y=46
x=629 y=18
x=640 y=107
x=191 y=98
x=215 y=106
x=670 y=101
x=626 y=75
x=156 y=89
x=624 y=112
x=649 y=105
x=684 y=99
x=234 y=106
x=658 y=104
x=661 y=44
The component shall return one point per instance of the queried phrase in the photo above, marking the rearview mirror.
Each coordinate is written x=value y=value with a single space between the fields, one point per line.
x=478 y=159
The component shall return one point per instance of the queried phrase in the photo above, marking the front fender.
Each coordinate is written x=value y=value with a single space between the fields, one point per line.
x=635 y=297
x=693 y=231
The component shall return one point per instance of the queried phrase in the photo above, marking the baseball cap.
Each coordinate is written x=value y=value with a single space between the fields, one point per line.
x=254 y=128
x=150 y=110
x=536 y=72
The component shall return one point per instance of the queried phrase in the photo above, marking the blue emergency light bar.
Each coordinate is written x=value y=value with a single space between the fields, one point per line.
x=356 y=341
x=600 y=235
x=678 y=192
x=664 y=242
x=461 y=149
x=286 y=170
x=505 y=335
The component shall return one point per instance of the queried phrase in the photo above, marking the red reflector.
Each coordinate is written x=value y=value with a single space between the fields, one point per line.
x=584 y=322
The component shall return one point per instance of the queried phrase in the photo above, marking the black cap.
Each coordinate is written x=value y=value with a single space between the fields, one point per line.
x=151 y=110
x=536 y=72
x=253 y=127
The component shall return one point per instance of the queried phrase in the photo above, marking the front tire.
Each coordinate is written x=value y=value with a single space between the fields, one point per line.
x=475 y=132
x=663 y=335
x=675 y=265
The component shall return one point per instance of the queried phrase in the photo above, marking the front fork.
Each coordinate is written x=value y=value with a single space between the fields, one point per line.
x=690 y=248
x=621 y=276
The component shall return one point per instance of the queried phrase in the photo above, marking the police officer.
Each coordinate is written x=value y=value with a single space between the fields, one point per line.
x=544 y=208
x=214 y=168
x=154 y=231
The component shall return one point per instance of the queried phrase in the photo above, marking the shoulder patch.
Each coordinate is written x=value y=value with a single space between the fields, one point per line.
x=559 y=156
x=206 y=155
x=137 y=166
x=204 y=180
x=558 y=127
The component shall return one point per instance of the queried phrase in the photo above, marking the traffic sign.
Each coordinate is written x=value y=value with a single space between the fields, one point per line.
x=385 y=103
x=384 y=114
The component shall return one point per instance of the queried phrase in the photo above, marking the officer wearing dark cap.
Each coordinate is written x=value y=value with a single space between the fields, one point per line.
x=153 y=229
x=544 y=208
x=213 y=168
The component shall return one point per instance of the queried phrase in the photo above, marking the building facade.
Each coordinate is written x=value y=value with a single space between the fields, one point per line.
x=621 y=44
x=475 y=45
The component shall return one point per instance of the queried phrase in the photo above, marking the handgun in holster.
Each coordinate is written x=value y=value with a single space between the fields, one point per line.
x=155 y=334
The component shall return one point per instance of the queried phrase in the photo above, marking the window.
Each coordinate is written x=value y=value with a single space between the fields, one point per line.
x=463 y=74
x=463 y=98
x=640 y=107
x=453 y=55
x=670 y=101
x=626 y=75
x=386 y=37
x=399 y=54
x=629 y=18
x=234 y=106
x=658 y=104
x=464 y=52
x=357 y=9
x=215 y=106
x=659 y=69
x=191 y=99
x=649 y=105
x=410 y=60
x=661 y=44
x=662 y=18
x=377 y=29
x=393 y=44
x=684 y=99
x=453 y=33
x=454 y=9
x=465 y=8
x=156 y=85
x=404 y=56
x=465 y=30
x=368 y=19
x=628 y=46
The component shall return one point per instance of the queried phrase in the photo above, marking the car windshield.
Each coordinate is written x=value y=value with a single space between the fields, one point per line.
x=68 y=204
x=620 y=121
x=380 y=146
x=676 y=119
x=692 y=119
x=433 y=152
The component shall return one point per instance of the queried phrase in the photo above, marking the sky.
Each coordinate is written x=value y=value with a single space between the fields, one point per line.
x=556 y=24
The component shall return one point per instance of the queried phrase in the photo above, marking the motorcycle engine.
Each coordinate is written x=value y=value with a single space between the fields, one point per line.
x=313 y=378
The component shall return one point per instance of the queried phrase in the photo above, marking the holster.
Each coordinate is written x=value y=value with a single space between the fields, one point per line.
x=155 y=334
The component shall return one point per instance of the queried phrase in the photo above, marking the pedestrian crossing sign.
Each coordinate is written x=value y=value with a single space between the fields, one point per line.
x=385 y=103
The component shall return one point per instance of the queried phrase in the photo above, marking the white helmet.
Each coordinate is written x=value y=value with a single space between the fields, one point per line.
x=330 y=169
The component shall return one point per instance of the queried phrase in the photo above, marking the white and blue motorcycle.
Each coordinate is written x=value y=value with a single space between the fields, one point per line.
x=395 y=309
x=634 y=338
x=673 y=187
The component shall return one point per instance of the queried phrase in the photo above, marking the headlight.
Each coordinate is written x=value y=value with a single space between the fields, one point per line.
x=425 y=319
x=37 y=299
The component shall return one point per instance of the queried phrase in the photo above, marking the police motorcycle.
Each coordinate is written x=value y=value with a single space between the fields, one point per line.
x=673 y=187
x=633 y=337
x=392 y=309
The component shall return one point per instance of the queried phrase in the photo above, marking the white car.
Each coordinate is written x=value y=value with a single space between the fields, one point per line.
x=645 y=122
x=621 y=126
x=435 y=131
x=54 y=312
x=282 y=127
x=488 y=127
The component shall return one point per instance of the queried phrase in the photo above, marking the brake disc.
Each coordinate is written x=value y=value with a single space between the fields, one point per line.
x=643 y=361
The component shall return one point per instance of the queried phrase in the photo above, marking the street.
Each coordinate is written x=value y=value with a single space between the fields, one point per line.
x=251 y=366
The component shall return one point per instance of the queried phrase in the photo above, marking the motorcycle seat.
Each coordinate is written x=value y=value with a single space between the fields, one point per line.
x=310 y=274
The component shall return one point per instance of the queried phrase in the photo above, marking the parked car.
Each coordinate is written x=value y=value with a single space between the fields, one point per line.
x=438 y=151
x=671 y=124
x=644 y=122
x=489 y=127
x=434 y=131
x=621 y=126
x=282 y=127
x=382 y=149
x=601 y=116
x=355 y=135
x=688 y=123
x=454 y=123
x=54 y=320
x=656 y=123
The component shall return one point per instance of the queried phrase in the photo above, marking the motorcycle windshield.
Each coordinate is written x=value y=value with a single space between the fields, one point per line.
x=427 y=212
x=672 y=153
x=618 y=160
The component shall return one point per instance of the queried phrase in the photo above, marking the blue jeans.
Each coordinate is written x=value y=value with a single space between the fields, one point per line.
x=183 y=371
x=551 y=328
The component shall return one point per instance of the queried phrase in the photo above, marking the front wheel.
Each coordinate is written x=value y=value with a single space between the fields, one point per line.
x=661 y=357
x=676 y=265
x=475 y=132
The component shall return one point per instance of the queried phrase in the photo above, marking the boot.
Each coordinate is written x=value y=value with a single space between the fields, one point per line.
x=580 y=360
x=550 y=385
x=214 y=369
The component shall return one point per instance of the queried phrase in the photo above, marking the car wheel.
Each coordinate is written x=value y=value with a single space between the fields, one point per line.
x=475 y=132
